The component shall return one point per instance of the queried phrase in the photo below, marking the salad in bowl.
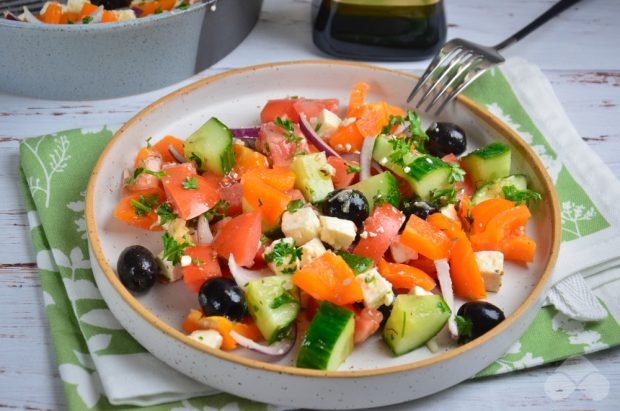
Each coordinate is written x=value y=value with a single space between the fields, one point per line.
x=293 y=234
x=330 y=226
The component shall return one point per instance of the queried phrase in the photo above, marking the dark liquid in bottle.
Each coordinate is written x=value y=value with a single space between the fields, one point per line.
x=378 y=30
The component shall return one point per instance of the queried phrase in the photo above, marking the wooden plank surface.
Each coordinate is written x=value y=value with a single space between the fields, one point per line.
x=578 y=52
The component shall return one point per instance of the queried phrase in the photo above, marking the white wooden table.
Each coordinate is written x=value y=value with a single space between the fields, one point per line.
x=579 y=52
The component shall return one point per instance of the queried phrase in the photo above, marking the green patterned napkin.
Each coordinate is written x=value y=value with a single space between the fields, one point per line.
x=95 y=354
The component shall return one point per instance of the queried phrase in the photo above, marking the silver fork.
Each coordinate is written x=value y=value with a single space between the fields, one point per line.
x=460 y=62
x=17 y=6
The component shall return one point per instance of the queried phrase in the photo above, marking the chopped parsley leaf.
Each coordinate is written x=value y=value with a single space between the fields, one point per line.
x=457 y=174
x=144 y=204
x=283 y=250
x=352 y=168
x=173 y=250
x=141 y=170
x=443 y=197
x=87 y=20
x=285 y=298
x=289 y=132
x=190 y=183
x=165 y=213
x=218 y=211
x=294 y=205
x=520 y=196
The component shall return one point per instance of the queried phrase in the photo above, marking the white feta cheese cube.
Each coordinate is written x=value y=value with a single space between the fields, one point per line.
x=328 y=123
x=450 y=212
x=168 y=270
x=491 y=265
x=125 y=14
x=376 y=289
x=75 y=6
x=211 y=338
x=282 y=256
x=419 y=291
x=402 y=253
x=337 y=232
x=302 y=225
x=311 y=250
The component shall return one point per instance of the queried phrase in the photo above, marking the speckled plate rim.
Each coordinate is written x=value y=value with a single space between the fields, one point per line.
x=514 y=140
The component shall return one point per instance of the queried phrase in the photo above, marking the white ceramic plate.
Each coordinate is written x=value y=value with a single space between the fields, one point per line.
x=371 y=376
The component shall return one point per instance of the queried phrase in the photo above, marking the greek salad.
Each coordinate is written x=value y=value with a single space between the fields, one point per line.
x=322 y=226
x=98 y=11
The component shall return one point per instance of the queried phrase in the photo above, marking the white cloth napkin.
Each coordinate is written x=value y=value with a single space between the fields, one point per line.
x=592 y=255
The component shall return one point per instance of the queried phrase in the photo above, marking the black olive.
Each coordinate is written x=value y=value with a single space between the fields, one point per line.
x=445 y=138
x=475 y=318
x=418 y=207
x=222 y=296
x=386 y=310
x=137 y=268
x=112 y=4
x=347 y=204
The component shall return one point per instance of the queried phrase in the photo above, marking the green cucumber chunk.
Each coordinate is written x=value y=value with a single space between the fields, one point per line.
x=273 y=303
x=487 y=163
x=414 y=320
x=494 y=189
x=329 y=339
x=424 y=173
x=211 y=147
x=312 y=176
x=357 y=263
x=382 y=186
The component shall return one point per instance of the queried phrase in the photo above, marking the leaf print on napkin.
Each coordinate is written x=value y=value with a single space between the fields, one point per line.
x=87 y=385
x=579 y=215
x=101 y=317
x=56 y=163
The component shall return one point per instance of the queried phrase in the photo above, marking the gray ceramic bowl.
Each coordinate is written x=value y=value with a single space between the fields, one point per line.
x=89 y=62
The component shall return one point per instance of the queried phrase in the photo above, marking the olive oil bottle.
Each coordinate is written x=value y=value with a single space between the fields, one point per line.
x=382 y=30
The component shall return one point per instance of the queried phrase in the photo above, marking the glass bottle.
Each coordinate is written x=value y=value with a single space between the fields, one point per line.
x=382 y=30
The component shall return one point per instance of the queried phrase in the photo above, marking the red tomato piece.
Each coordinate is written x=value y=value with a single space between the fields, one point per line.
x=312 y=108
x=379 y=229
x=232 y=195
x=274 y=141
x=281 y=107
x=190 y=194
x=138 y=208
x=367 y=322
x=240 y=237
x=345 y=171
x=204 y=266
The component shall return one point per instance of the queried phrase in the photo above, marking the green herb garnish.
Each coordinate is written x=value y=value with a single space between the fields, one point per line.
x=443 y=197
x=520 y=196
x=190 y=183
x=165 y=213
x=173 y=250
x=457 y=174
x=289 y=132
x=352 y=168
x=144 y=204
x=282 y=250
x=217 y=211
x=294 y=205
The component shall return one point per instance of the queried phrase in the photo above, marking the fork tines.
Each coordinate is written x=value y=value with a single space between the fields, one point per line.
x=458 y=63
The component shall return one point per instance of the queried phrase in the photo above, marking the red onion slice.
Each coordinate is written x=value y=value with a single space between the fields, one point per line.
x=175 y=154
x=246 y=133
x=314 y=138
x=10 y=16
x=204 y=235
x=366 y=157
x=445 y=282
x=242 y=275
x=276 y=349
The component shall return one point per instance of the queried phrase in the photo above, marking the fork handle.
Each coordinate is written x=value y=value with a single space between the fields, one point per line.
x=542 y=19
